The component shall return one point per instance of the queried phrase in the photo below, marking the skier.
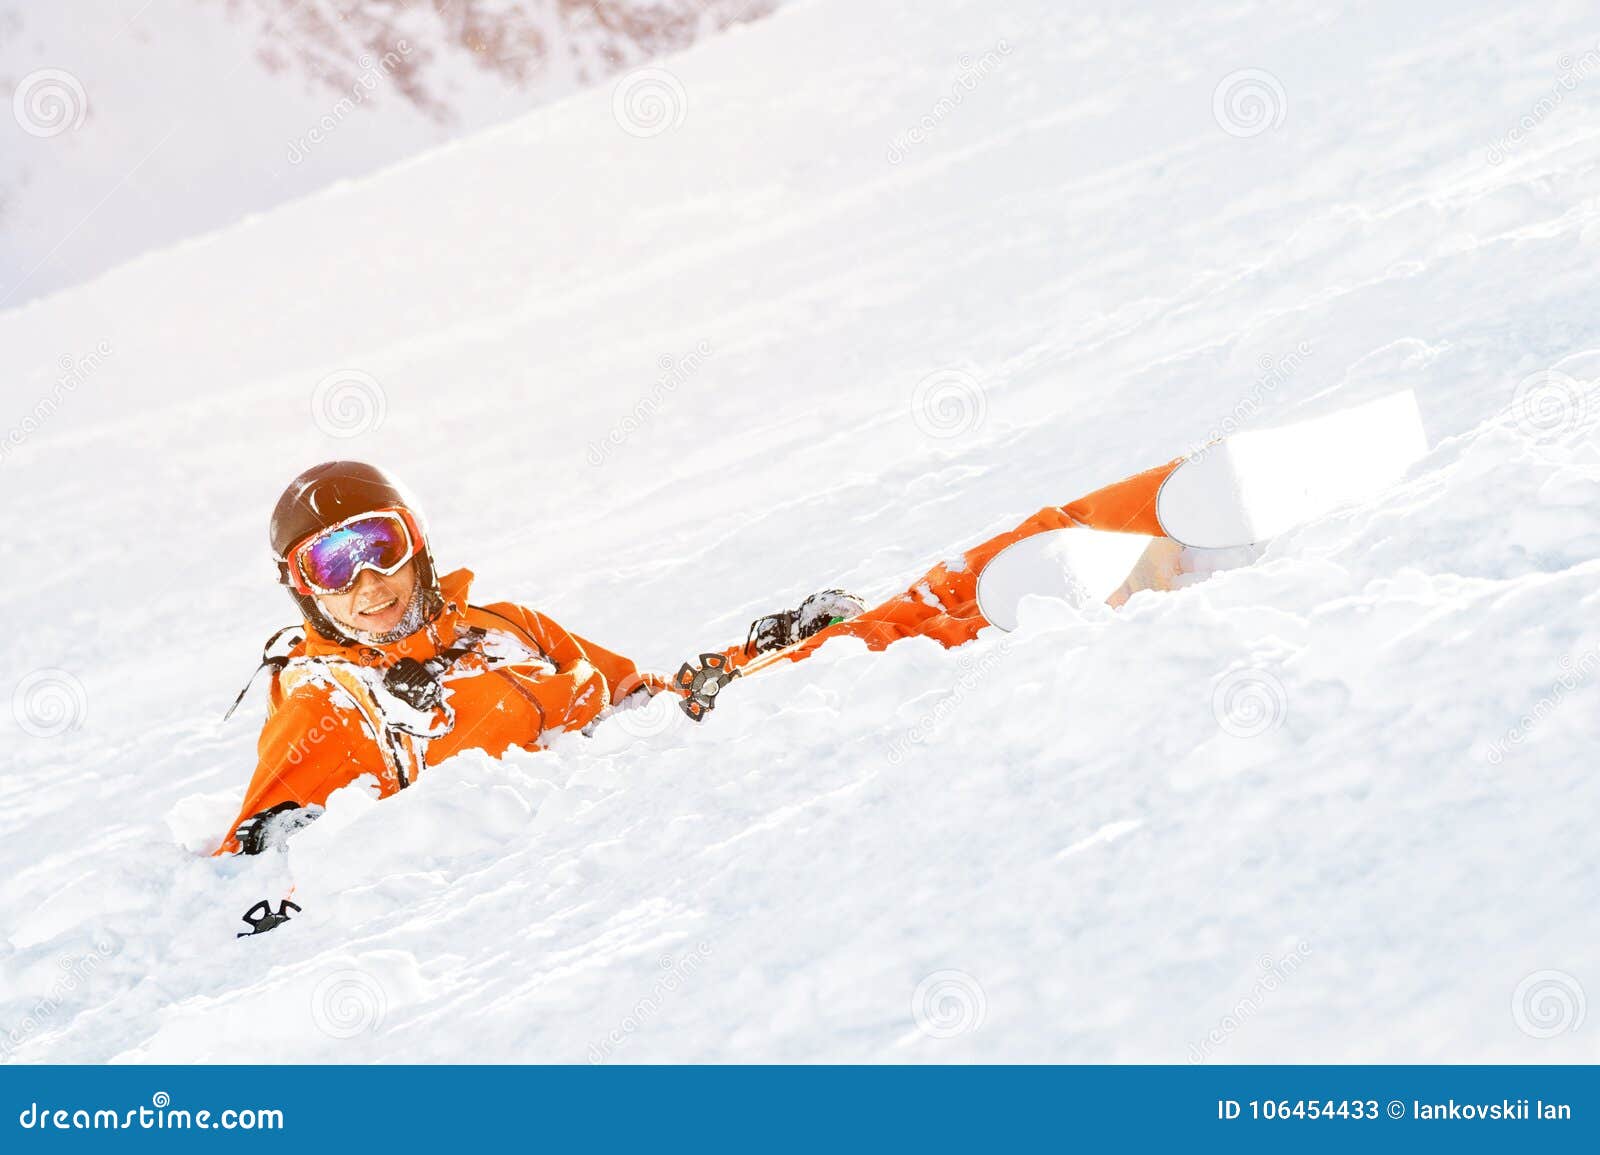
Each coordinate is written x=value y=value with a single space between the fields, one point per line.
x=395 y=669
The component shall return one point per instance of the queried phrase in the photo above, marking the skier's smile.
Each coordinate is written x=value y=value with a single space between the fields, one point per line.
x=374 y=611
x=375 y=615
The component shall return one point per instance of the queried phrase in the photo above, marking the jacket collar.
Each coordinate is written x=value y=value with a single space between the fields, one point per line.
x=438 y=634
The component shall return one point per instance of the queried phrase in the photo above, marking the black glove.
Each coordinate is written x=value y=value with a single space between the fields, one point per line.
x=271 y=828
x=815 y=614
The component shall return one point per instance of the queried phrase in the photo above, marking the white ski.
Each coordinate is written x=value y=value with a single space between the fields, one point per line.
x=1081 y=567
x=1255 y=485
x=1237 y=492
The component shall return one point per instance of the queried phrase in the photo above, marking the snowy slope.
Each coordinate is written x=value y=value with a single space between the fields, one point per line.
x=898 y=276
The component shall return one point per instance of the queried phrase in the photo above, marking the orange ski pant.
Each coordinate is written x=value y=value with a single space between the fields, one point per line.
x=943 y=605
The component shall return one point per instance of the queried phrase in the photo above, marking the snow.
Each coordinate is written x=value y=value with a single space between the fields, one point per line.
x=1337 y=805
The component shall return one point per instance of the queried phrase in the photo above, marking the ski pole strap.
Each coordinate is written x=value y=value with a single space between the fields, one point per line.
x=268 y=659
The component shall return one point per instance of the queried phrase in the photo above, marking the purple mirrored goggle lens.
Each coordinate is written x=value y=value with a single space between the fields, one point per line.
x=331 y=563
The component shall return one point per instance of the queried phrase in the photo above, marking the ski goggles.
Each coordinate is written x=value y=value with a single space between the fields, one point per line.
x=330 y=562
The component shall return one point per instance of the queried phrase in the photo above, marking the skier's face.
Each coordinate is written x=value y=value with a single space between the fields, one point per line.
x=375 y=604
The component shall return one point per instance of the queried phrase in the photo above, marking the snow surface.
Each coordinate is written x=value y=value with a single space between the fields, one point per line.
x=830 y=328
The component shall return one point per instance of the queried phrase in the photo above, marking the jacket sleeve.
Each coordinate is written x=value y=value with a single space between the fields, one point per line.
x=309 y=748
x=587 y=677
x=622 y=675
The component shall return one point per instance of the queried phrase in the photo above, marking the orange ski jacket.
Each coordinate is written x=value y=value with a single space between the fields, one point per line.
x=330 y=718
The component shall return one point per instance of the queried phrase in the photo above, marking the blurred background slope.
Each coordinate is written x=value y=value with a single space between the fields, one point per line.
x=186 y=115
